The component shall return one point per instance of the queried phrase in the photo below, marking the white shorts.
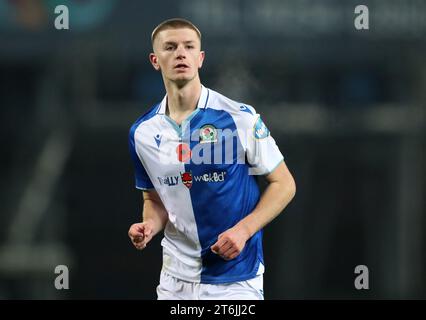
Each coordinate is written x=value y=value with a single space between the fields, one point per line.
x=172 y=288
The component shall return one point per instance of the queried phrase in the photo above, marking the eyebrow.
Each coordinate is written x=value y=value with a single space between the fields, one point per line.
x=173 y=42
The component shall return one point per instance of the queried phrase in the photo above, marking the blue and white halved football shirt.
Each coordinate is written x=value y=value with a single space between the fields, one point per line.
x=203 y=172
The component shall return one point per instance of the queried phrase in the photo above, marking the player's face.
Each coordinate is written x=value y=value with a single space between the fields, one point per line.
x=177 y=53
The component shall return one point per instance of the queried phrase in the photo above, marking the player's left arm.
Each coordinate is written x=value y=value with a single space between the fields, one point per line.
x=279 y=192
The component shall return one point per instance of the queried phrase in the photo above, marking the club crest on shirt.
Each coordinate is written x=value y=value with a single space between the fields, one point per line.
x=187 y=179
x=208 y=134
x=260 y=131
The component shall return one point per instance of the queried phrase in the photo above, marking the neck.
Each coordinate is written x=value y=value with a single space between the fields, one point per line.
x=182 y=100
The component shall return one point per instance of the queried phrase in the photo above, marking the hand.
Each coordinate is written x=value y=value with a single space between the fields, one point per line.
x=231 y=242
x=141 y=233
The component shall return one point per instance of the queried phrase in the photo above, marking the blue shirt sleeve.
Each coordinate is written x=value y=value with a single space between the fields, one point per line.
x=142 y=179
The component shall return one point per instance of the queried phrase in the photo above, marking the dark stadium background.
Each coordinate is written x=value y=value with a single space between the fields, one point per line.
x=346 y=107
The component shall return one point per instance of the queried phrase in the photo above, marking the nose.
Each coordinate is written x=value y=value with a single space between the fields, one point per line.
x=180 y=52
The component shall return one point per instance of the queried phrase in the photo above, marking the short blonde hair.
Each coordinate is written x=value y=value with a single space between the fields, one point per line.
x=174 y=23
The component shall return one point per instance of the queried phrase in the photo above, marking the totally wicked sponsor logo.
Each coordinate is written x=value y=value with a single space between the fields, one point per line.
x=187 y=178
x=169 y=181
x=211 y=177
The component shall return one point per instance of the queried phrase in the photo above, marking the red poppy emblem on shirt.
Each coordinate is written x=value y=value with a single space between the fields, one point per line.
x=183 y=152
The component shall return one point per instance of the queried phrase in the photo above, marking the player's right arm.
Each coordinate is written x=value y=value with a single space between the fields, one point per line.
x=154 y=220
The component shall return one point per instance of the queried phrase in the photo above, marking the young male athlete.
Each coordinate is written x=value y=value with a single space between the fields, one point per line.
x=195 y=155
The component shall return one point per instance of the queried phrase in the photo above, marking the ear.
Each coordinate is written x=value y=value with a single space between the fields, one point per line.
x=154 y=61
x=202 y=56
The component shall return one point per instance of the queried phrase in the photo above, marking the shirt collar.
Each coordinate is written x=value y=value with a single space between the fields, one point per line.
x=202 y=101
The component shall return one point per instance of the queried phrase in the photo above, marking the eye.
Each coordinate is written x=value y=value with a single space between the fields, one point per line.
x=169 y=48
x=190 y=47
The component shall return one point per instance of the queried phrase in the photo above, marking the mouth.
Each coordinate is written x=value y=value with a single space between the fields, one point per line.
x=181 y=66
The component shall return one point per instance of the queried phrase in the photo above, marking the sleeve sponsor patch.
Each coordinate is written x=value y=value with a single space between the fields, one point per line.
x=260 y=130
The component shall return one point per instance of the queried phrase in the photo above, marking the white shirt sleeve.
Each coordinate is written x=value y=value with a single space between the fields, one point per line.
x=262 y=152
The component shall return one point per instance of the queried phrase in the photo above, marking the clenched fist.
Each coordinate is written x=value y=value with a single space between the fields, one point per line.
x=141 y=233
x=231 y=243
